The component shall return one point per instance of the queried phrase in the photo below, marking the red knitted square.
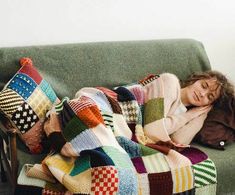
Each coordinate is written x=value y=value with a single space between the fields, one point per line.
x=161 y=183
x=79 y=104
x=104 y=180
x=31 y=72
x=108 y=92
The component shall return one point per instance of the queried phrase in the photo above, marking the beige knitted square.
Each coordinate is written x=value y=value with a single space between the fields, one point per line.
x=39 y=102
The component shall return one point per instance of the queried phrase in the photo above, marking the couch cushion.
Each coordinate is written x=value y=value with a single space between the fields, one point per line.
x=70 y=67
x=25 y=100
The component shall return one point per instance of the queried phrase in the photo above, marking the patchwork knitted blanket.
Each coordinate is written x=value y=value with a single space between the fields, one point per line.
x=103 y=149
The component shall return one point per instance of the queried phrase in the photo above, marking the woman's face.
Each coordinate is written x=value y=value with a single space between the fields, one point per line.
x=203 y=92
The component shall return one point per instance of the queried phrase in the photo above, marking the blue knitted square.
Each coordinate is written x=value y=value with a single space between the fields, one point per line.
x=48 y=91
x=23 y=85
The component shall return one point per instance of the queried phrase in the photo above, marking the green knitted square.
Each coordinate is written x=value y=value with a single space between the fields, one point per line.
x=153 y=110
x=74 y=127
x=108 y=119
x=81 y=164
x=204 y=173
x=120 y=159
x=145 y=151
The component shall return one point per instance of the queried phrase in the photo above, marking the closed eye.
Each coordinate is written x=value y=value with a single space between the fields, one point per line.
x=211 y=97
x=205 y=85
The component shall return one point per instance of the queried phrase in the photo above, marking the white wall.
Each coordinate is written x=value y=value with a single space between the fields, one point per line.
x=39 y=22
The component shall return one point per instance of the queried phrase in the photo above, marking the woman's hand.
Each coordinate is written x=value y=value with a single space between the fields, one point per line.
x=197 y=111
x=52 y=124
x=179 y=145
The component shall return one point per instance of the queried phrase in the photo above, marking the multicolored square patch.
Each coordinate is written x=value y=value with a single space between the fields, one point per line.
x=24 y=117
x=25 y=100
x=104 y=180
x=39 y=103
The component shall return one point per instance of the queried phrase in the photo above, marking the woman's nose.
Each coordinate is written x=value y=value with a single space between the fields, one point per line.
x=203 y=93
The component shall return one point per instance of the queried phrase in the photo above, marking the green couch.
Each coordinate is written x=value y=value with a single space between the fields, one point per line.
x=72 y=66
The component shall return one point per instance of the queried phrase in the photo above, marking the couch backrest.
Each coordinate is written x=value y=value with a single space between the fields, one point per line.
x=72 y=66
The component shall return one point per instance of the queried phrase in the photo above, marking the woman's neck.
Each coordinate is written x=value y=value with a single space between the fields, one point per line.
x=183 y=96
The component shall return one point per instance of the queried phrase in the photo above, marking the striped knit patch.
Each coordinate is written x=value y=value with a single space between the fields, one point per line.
x=138 y=92
x=66 y=114
x=59 y=106
x=108 y=119
x=148 y=79
x=10 y=101
x=108 y=92
x=81 y=103
x=205 y=173
x=156 y=163
x=143 y=184
x=183 y=179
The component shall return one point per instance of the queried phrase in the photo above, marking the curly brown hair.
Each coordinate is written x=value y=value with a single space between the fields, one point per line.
x=226 y=86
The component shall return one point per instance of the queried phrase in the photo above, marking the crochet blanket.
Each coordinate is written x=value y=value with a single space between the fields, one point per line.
x=105 y=151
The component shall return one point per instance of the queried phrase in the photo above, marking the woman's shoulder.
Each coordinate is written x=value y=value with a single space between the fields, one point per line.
x=169 y=78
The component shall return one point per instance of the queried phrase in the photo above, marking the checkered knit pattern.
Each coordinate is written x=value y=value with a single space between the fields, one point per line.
x=24 y=117
x=130 y=111
x=95 y=160
x=39 y=103
x=25 y=100
x=104 y=180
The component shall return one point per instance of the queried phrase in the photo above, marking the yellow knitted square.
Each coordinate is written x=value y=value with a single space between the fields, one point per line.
x=183 y=179
x=39 y=102
x=155 y=163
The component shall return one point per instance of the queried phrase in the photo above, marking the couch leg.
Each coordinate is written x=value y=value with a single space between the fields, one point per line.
x=3 y=173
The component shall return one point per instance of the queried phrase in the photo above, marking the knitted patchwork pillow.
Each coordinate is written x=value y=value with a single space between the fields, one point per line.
x=24 y=100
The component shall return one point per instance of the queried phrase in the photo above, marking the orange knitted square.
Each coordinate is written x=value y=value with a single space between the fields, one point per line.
x=91 y=116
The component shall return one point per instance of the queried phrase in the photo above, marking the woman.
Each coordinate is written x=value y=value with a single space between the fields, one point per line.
x=186 y=106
